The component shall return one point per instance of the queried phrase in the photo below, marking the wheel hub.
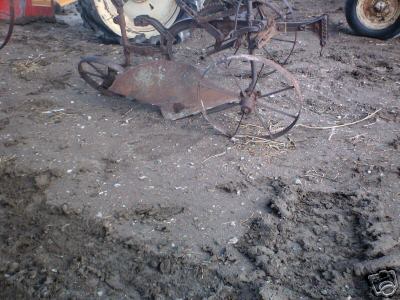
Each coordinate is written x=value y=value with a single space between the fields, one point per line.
x=378 y=14
x=380 y=6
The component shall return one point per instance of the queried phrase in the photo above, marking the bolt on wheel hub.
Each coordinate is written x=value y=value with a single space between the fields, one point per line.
x=380 y=6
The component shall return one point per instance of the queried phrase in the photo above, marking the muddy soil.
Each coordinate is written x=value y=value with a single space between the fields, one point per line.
x=101 y=198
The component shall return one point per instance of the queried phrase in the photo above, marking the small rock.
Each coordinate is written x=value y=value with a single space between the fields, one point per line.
x=92 y=282
x=42 y=181
x=4 y=123
x=233 y=241
x=13 y=267
x=32 y=274
x=115 y=282
x=49 y=280
x=165 y=266
x=65 y=209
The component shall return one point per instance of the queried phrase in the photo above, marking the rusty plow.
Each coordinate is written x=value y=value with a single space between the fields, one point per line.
x=236 y=80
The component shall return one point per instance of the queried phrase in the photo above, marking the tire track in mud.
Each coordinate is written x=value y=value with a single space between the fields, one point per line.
x=310 y=242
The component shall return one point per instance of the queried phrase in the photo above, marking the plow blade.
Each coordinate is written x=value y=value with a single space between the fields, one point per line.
x=178 y=89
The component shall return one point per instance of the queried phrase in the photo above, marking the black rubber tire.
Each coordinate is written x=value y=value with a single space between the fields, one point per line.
x=360 y=29
x=92 y=20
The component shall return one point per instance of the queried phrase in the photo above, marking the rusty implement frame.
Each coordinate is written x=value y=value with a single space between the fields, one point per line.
x=180 y=90
x=11 y=23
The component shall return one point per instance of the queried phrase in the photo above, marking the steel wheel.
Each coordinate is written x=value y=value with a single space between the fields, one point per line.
x=267 y=111
x=99 y=73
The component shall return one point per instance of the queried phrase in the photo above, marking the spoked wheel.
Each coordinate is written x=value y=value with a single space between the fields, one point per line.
x=99 y=73
x=265 y=108
x=7 y=25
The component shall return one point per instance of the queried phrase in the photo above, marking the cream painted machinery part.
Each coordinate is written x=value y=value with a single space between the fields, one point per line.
x=63 y=3
x=165 y=11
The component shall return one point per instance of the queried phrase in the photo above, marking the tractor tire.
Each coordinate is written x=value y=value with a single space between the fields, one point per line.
x=375 y=19
x=92 y=20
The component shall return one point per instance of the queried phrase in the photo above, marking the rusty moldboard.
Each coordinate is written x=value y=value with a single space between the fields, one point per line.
x=178 y=89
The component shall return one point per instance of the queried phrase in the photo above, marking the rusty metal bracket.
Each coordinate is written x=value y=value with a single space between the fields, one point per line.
x=317 y=25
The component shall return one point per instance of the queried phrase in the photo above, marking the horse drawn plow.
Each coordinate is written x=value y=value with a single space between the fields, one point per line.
x=231 y=74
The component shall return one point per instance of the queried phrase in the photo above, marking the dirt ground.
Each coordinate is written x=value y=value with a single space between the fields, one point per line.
x=101 y=198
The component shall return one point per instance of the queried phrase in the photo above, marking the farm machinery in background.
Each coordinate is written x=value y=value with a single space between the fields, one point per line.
x=372 y=18
x=24 y=11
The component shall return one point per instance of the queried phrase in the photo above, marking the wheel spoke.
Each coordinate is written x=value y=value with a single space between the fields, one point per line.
x=277 y=92
x=94 y=75
x=240 y=124
x=221 y=108
x=235 y=77
x=277 y=110
x=268 y=128
x=291 y=50
x=99 y=73
x=285 y=61
x=97 y=68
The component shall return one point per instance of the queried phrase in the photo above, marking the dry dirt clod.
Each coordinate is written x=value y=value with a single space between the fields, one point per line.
x=372 y=266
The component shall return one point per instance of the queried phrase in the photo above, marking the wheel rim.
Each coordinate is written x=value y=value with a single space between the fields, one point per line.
x=165 y=11
x=99 y=73
x=378 y=14
x=274 y=106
